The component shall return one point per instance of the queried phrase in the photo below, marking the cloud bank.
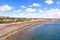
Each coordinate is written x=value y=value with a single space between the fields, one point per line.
x=52 y=13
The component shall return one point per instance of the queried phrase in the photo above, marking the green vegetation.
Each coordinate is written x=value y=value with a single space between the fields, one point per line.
x=12 y=19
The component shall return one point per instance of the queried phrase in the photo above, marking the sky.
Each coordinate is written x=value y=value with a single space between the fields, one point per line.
x=30 y=8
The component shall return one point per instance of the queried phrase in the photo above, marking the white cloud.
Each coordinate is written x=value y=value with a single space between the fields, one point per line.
x=5 y=7
x=30 y=10
x=36 y=4
x=49 y=1
x=22 y=6
x=58 y=2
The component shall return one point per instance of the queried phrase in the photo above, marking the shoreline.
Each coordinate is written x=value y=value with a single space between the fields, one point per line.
x=17 y=31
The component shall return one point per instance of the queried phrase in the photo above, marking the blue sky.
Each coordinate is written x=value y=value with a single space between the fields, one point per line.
x=30 y=8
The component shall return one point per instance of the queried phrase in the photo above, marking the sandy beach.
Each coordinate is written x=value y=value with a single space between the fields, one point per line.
x=8 y=31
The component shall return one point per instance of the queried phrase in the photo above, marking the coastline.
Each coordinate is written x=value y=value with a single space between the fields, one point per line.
x=18 y=30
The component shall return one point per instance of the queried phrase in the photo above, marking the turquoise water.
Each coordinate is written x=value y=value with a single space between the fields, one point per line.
x=49 y=31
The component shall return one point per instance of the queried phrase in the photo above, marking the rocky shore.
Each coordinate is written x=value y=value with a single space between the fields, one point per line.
x=8 y=31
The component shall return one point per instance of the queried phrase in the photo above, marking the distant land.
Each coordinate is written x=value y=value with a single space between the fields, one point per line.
x=4 y=19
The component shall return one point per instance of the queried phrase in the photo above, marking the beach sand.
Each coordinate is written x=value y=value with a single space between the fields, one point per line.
x=9 y=31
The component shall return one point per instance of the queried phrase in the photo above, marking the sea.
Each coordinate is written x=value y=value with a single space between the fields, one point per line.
x=46 y=31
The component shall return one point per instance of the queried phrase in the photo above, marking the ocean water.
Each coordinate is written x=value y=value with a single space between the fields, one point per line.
x=49 y=31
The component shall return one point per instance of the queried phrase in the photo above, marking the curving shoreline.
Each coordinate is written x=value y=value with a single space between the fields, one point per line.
x=18 y=27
